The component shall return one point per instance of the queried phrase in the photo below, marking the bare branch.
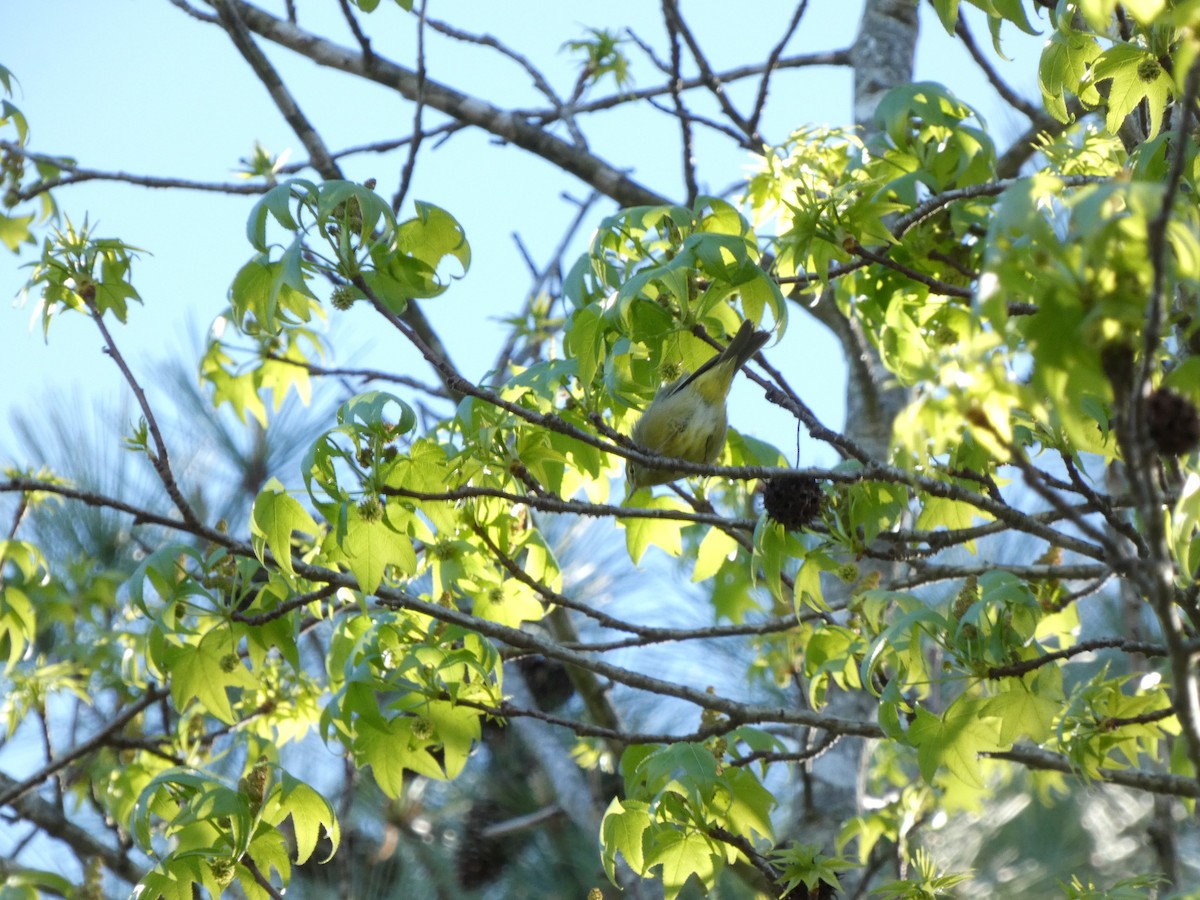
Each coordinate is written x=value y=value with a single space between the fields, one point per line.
x=78 y=175
x=1032 y=112
x=670 y=15
x=16 y=789
x=562 y=111
x=83 y=841
x=510 y=126
x=1152 y=782
x=230 y=13
x=410 y=163
x=760 y=102
x=676 y=23
x=160 y=458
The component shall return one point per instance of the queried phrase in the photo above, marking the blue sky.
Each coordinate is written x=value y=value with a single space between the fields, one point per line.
x=137 y=86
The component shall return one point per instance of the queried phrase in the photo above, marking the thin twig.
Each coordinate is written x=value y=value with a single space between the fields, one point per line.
x=1025 y=666
x=935 y=285
x=1155 y=571
x=1032 y=112
x=364 y=42
x=760 y=101
x=230 y=13
x=363 y=374
x=563 y=112
x=259 y=878
x=410 y=162
x=685 y=122
x=753 y=140
x=92 y=744
x=159 y=458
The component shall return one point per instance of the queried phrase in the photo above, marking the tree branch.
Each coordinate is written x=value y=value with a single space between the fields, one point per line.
x=13 y=790
x=1154 y=783
x=508 y=125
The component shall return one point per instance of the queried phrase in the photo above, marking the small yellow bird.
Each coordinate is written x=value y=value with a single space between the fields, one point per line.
x=687 y=420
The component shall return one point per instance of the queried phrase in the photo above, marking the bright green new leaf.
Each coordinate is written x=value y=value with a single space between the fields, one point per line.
x=750 y=804
x=622 y=831
x=508 y=603
x=457 y=729
x=275 y=516
x=392 y=750
x=1185 y=545
x=643 y=533
x=1145 y=11
x=1133 y=75
x=373 y=545
x=204 y=671
x=310 y=814
x=682 y=854
x=18 y=624
x=947 y=11
x=714 y=551
x=370 y=410
x=176 y=878
x=14 y=231
x=942 y=512
x=276 y=203
x=1064 y=65
x=691 y=763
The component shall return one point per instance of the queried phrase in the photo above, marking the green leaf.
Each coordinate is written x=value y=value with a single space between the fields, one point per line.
x=1133 y=74
x=275 y=516
x=750 y=804
x=276 y=203
x=682 y=855
x=18 y=624
x=947 y=11
x=509 y=603
x=942 y=512
x=391 y=750
x=275 y=292
x=370 y=410
x=1145 y=11
x=1023 y=711
x=457 y=729
x=429 y=239
x=14 y=231
x=1184 y=521
x=174 y=879
x=310 y=812
x=714 y=551
x=372 y=546
x=10 y=113
x=1064 y=65
x=954 y=740
x=643 y=533
x=204 y=671
x=622 y=831
x=585 y=342
x=694 y=762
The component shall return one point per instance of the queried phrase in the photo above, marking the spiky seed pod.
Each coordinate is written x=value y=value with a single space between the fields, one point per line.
x=370 y=509
x=792 y=500
x=1173 y=422
x=343 y=297
x=1149 y=70
x=223 y=870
